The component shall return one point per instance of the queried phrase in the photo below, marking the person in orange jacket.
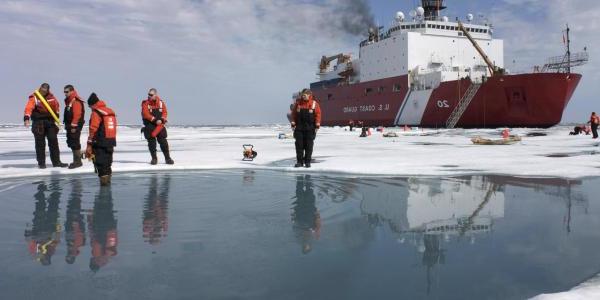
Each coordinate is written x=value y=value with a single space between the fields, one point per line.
x=74 y=117
x=594 y=121
x=102 y=228
x=74 y=223
x=306 y=120
x=43 y=126
x=154 y=117
x=44 y=233
x=102 y=138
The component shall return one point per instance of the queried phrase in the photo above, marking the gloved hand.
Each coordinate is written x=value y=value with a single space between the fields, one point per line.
x=89 y=152
x=293 y=124
x=159 y=121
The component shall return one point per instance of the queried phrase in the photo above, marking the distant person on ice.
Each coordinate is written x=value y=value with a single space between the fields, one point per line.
x=74 y=117
x=594 y=121
x=154 y=116
x=44 y=126
x=306 y=120
x=102 y=138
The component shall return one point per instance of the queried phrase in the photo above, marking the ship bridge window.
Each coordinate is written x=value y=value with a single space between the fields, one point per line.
x=396 y=87
x=368 y=91
x=381 y=89
x=437 y=26
x=429 y=26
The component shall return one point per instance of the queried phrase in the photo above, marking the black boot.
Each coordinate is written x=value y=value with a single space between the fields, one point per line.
x=164 y=147
x=307 y=164
x=41 y=166
x=76 y=160
x=154 y=160
x=298 y=164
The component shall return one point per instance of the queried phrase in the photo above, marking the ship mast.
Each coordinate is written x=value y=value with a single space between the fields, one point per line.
x=568 y=51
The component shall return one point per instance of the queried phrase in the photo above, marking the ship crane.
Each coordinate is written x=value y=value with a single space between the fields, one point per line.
x=325 y=61
x=494 y=71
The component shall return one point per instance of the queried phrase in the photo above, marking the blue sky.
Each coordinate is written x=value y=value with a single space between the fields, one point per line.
x=238 y=61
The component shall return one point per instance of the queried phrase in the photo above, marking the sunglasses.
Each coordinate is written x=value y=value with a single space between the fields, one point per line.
x=151 y=95
x=66 y=92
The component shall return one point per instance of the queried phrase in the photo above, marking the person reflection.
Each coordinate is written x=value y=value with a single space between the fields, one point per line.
x=102 y=227
x=156 y=218
x=305 y=216
x=74 y=223
x=43 y=235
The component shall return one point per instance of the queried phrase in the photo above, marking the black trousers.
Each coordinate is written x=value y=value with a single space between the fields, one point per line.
x=103 y=161
x=304 y=144
x=73 y=138
x=42 y=130
x=161 y=138
x=595 y=130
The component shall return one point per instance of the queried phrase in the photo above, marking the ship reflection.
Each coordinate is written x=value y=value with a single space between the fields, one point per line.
x=156 y=206
x=427 y=214
x=306 y=219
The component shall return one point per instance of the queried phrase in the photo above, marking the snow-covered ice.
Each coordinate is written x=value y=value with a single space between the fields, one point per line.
x=587 y=290
x=426 y=152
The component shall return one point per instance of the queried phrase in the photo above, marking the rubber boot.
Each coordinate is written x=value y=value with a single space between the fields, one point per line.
x=169 y=161
x=60 y=165
x=154 y=160
x=105 y=180
x=76 y=160
x=41 y=166
x=298 y=164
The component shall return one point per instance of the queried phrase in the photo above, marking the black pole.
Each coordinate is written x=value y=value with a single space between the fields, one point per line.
x=568 y=51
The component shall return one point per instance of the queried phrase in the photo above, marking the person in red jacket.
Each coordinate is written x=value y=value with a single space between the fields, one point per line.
x=74 y=119
x=594 y=121
x=306 y=120
x=154 y=117
x=102 y=138
x=43 y=126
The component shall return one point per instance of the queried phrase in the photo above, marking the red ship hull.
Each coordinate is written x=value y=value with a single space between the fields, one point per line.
x=526 y=100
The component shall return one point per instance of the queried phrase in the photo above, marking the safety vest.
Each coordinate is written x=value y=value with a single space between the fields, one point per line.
x=306 y=117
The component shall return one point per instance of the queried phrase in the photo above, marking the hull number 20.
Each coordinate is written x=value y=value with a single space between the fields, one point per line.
x=443 y=104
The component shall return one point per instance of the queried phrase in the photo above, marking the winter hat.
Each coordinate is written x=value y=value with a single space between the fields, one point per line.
x=93 y=99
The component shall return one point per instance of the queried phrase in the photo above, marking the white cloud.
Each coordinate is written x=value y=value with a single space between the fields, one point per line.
x=203 y=53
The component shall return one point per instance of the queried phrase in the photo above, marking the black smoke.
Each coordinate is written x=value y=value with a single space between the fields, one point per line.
x=353 y=16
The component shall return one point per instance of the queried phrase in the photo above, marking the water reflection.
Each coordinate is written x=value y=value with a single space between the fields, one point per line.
x=306 y=219
x=75 y=222
x=156 y=206
x=102 y=226
x=43 y=234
